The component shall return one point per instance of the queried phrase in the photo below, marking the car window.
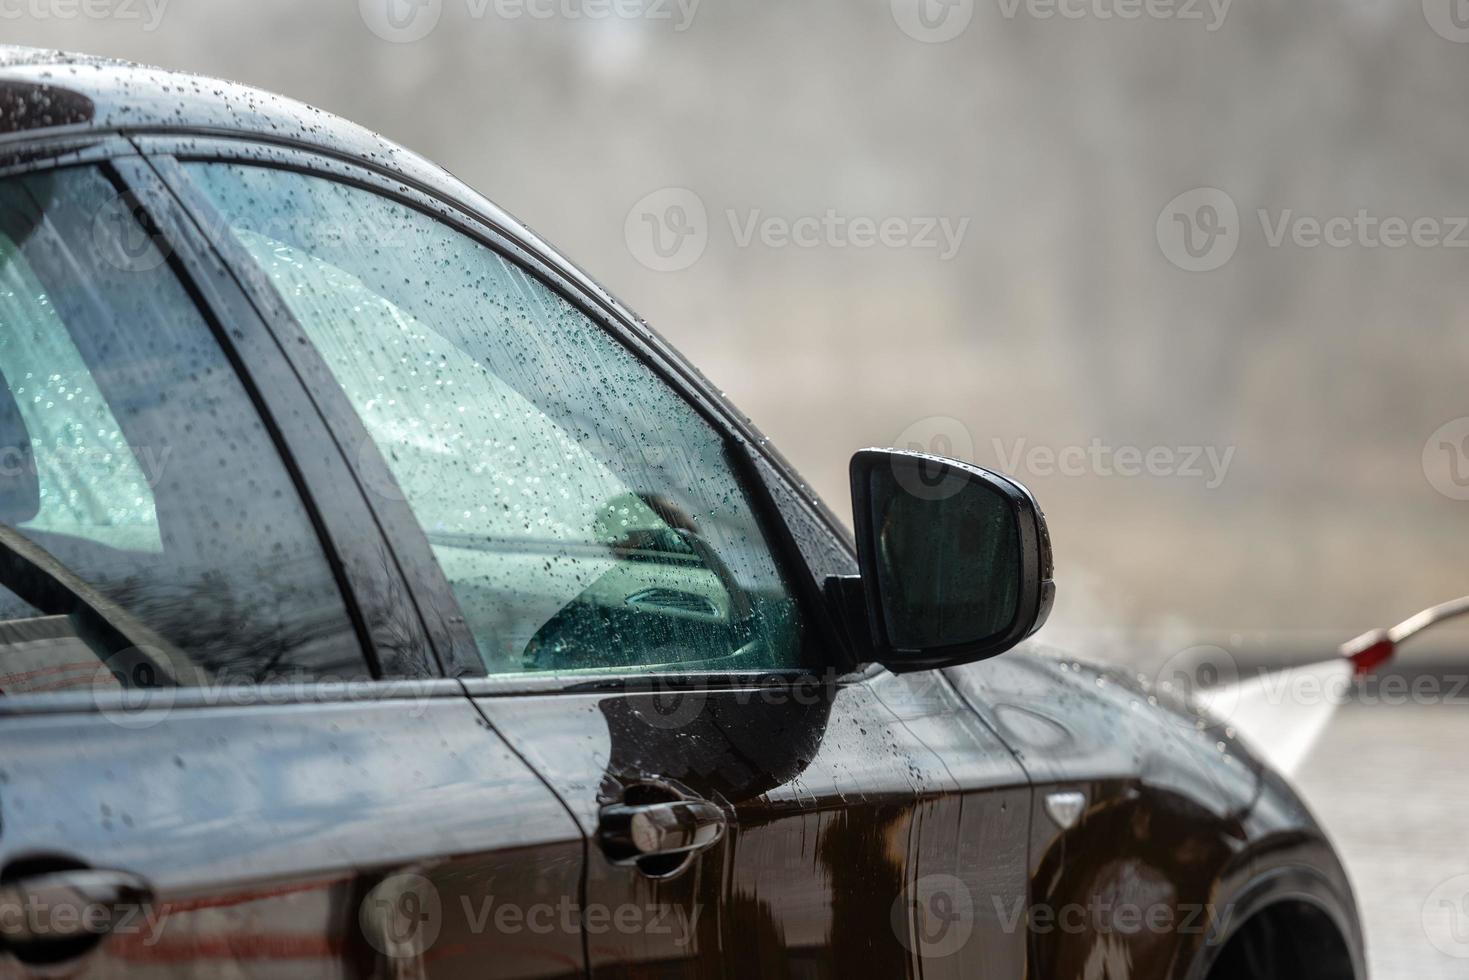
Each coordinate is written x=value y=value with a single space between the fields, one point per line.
x=131 y=452
x=586 y=517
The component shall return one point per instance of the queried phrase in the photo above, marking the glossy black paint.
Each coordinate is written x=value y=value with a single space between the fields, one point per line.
x=262 y=829
x=848 y=796
x=838 y=798
x=1179 y=814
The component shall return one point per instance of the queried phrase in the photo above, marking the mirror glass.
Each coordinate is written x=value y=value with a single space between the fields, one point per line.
x=948 y=556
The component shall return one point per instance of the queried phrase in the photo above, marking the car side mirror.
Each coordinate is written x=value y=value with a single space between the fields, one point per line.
x=955 y=560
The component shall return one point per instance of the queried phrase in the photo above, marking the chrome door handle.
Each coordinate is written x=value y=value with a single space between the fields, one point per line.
x=629 y=833
x=59 y=906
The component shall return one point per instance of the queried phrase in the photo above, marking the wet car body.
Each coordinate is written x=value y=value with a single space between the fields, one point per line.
x=1022 y=816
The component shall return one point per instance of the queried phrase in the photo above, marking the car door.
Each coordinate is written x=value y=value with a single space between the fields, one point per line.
x=649 y=635
x=226 y=749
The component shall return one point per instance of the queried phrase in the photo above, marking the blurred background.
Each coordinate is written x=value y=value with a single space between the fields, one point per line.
x=1193 y=270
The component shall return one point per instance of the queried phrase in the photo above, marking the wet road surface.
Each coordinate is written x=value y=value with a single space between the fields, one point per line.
x=1391 y=785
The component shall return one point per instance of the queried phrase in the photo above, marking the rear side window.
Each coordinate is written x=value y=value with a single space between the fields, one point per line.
x=132 y=454
x=586 y=517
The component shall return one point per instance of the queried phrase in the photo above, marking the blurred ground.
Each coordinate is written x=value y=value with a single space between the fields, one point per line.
x=1387 y=782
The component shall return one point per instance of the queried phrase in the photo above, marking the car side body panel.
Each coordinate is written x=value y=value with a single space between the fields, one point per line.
x=1181 y=830
x=292 y=838
x=874 y=828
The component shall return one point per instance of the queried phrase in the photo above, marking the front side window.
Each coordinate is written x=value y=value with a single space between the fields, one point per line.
x=131 y=453
x=585 y=516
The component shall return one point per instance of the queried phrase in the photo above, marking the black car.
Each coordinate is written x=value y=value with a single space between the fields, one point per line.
x=378 y=597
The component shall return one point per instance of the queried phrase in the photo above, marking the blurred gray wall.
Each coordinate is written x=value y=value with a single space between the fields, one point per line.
x=1066 y=317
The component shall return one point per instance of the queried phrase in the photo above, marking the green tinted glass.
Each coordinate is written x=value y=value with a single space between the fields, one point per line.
x=585 y=516
x=132 y=453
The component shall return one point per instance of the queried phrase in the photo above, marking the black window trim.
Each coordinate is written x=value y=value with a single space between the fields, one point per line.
x=402 y=530
x=271 y=391
x=50 y=151
x=368 y=578
x=425 y=586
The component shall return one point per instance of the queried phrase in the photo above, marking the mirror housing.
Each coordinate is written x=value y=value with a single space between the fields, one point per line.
x=955 y=560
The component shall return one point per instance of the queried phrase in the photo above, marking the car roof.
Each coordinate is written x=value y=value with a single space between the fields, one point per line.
x=44 y=91
x=48 y=93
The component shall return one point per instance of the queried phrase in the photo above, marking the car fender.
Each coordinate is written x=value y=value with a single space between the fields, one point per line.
x=1155 y=833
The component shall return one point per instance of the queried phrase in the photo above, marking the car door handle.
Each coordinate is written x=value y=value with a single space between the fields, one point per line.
x=631 y=832
x=60 y=906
